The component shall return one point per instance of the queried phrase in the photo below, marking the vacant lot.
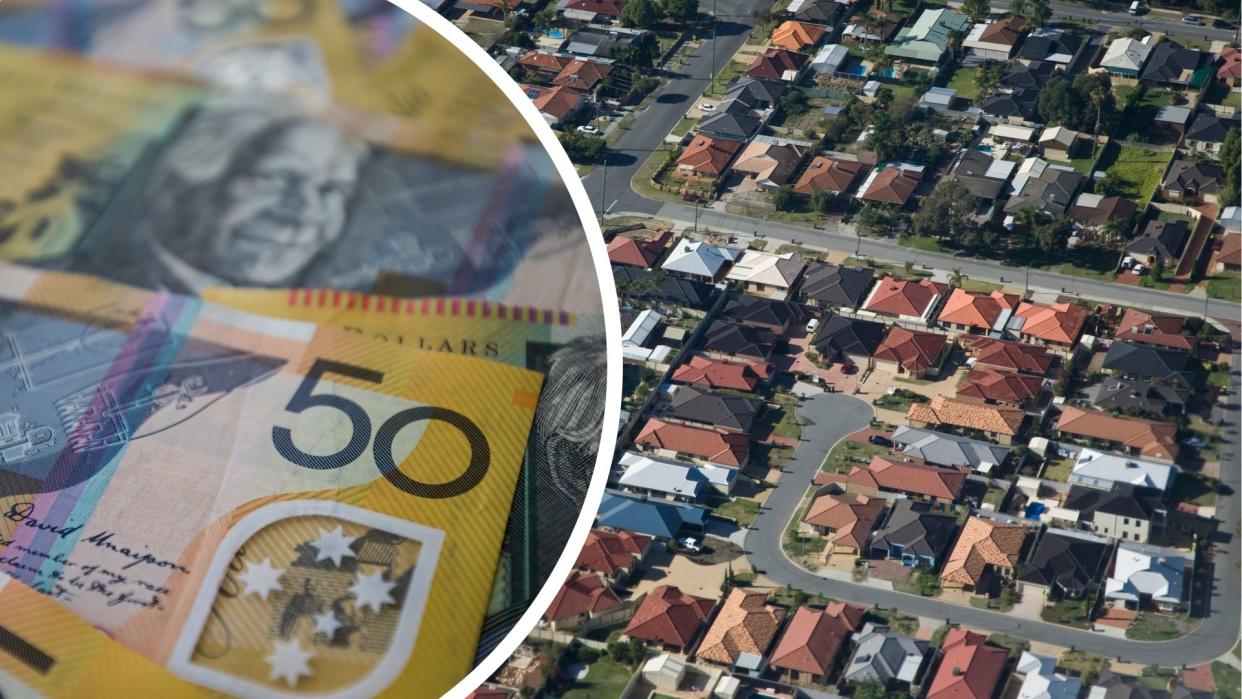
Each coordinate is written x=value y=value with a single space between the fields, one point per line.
x=1136 y=169
x=741 y=510
x=849 y=453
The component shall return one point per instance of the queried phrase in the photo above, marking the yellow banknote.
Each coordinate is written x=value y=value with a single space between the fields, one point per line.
x=259 y=505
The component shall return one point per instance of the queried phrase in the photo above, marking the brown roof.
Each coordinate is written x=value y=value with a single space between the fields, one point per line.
x=709 y=155
x=611 y=552
x=1109 y=208
x=901 y=297
x=1008 y=355
x=829 y=175
x=1230 y=249
x=611 y=8
x=557 y=101
x=950 y=411
x=913 y=350
x=907 y=477
x=1151 y=329
x=669 y=617
x=815 y=637
x=543 y=61
x=774 y=162
x=983 y=542
x=893 y=185
x=1005 y=31
x=999 y=386
x=1152 y=439
x=794 y=35
x=582 y=74
x=850 y=519
x=773 y=63
x=725 y=448
x=976 y=310
x=1059 y=323
x=969 y=667
x=582 y=593
x=745 y=624
x=715 y=373
x=638 y=252
x=1230 y=64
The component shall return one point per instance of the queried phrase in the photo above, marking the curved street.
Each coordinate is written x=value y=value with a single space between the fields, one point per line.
x=830 y=417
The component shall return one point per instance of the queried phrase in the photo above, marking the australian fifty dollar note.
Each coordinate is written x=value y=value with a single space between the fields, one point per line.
x=258 y=505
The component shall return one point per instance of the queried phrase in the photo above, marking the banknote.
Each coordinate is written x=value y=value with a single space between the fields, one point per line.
x=259 y=505
x=568 y=348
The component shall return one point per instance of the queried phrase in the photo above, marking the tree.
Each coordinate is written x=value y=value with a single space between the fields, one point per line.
x=794 y=102
x=641 y=55
x=1058 y=105
x=869 y=689
x=1110 y=185
x=783 y=198
x=682 y=11
x=988 y=77
x=947 y=213
x=822 y=200
x=1229 y=158
x=584 y=149
x=1017 y=8
x=1041 y=12
x=640 y=13
x=1096 y=89
x=1052 y=236
x=976 y=10
x=955 y=279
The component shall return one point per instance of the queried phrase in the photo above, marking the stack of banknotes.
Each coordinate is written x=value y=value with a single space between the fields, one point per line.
x=302 y=344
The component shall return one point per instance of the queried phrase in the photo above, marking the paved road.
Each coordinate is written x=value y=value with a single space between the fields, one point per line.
x=832 y=416
x=1117 y=16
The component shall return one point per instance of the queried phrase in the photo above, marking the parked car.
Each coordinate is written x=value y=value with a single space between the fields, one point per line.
x=812 y=324
x=1192 y=20
x=691 y=544
x=880 y=440
x=588 y=129
x=849 y=369
x=707 y=107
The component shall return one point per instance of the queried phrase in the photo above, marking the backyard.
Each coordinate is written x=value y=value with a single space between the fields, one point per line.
x=604 y=678
x=1086 y=665
x=1136 y=170
x=1219 y=93
x=1059 y=470
x=964 y=81
x=1139 y=122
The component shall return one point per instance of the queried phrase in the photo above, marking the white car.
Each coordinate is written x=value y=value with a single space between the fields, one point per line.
x=588 y=129
x=812 y=324
x=707 y=107
x=1192 y=20
x=691 y=544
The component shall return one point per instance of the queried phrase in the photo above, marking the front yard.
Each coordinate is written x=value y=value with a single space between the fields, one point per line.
x=1084 y=664
x=1154 y=626
x=1075 y=613
x=1225 y=286
x=741 y=510
x=849 y=453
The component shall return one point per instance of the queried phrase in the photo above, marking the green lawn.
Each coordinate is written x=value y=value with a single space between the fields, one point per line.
x=1157 y=677
x=921 y=582
x=964 y=82
x=1084 y=664
x=1150 y=626
x=742 y=510
x=847 y=454
x=783 y=420
x=1059 y=470
x=1075 y=613
x=924 y=242
x=721 y=84
x=1138 y=170
x=1226 y=286
x=1140 y=120
x=796 y=545
x=1219 y=93
x=1015 y=645
x=979 y=287
x=1194 y=488
x=1228 y=680
x=684 y=126
x=605 y=678
x=1081 y=165
x=901 y=623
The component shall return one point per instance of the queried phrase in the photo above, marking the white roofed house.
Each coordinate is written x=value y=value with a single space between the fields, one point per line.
x=639 y=337
x=1125 y=56
x=767 y=274
x=1146 y=576
x=674 y=480
x=695 y=259
x=1101 y=470
x=829 y=58
x=1041 y=680
x=996 y=40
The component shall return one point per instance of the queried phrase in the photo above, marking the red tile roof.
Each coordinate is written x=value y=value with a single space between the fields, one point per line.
x=669 y=617
x=729 y=449
x=582 y=593
x=1152 y=329
x=907 y=477
x=558 y=101
x=774 y=62
x=851 y=519
x=1230 y=64
x=795 y=35
x=975 y=310
x=1008 y=355
x=1006 y=31
x=969 y=667
x=611 y=552
x=983 y=543
x=716 y=373
x=1157 y=440
x=815 y=637
x=709 y=155
x=913 y=351
x=582 y=74
x=950 y=411
x=829 y=175
x=543 y=61
x=900 y=297
x=637 y=252
x=999 y=386
x=745 y=624
x=1058 y=323
x=893 y=185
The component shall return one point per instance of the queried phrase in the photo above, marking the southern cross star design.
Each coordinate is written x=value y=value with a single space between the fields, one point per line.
x=333 y=545
x=289 y=662
x=373 y=591
x=326 y=623
x=262 y=578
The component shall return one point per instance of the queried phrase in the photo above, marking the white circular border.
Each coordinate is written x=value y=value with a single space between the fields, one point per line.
x=612 y=331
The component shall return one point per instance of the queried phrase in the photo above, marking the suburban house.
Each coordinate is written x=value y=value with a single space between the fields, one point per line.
x=1174 y=66
x=1005 y=388
x=845 y=521
x=1127 y=396
x=914 y=535
x=556 y=103
x=682 y=441
x=975 y=312
x=1056 y=325
x=883 y=31
x=999 y=423
x=1192 y=182
x=911 y=352
x=1162 y=365
x=970 y=668
x=1007 y=355
x=985 y=549
x=1041 y=680
x=1229 y=252
x=545 y=63
x=1012 y=106
x=894 y=184
x=669 y=618
x=583 y=74
x=984 y=177
x=995 y=40
x=836 y=175
x=812 y=643
x=772 y=315
x=770 y=162
x=714 y=373
x=1122 y=512
x=1064 y=564
x=884 y=657
x=1060 y=143
x=796 y=36
x=767 y=274
x=708 y=156
x=1145 y=576
x=1126 y=56
x=594 y=11
x=906 y=300
x=615 y=555
x=829 y=59
x=638 y=252
x=733 y=119
x=1055 y=46
x=658 y=518
x=926 y=40
x=949 y=450
x=701 y=261
x=940 y=486
x=733 y=341
x=672 y=479
x=1160 y=243
x=663 y=288
x=742 y=632
x=843 y=337
x=721 y=411
x=1028 y=75
x=1229 y=72
x=583 y=597
x=1093 y=211
x=1101 y=470
x=836 y=286
x=778 y=64
x=1156 y=441
x=817 y=11
x=1044 y=186
x=1206 y=134
x=758 y=93
x=1154 y=329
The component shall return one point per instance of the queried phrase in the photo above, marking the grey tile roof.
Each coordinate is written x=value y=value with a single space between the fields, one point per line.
x=944 y=449
x=914 y=526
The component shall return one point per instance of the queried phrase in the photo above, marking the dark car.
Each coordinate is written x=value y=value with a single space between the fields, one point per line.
x=880 y=440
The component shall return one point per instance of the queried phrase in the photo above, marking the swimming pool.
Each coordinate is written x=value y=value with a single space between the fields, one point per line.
x=555 y=33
